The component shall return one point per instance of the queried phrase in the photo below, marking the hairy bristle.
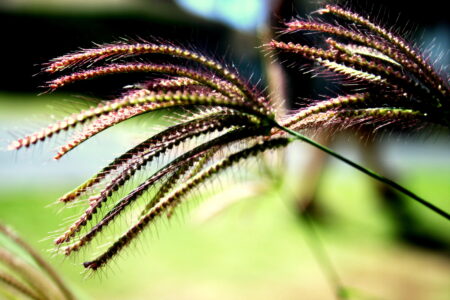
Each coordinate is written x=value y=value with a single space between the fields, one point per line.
x=101 y=53
x=152 y=103
x=177 y=194
x=195 y=74
x=222 y=120
x=130 y=168
x=325 y=105
x=187 y=158
x=214 y=120
x=407 y=50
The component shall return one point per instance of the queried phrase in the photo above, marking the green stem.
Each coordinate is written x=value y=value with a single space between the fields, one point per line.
x=366 y=171
x=319 y=251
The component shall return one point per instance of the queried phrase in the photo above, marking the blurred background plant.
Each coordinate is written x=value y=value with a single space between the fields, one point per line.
x=24 y=273
x=224 y=259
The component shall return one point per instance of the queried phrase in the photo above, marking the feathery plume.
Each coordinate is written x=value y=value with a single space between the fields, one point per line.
x=235 y=120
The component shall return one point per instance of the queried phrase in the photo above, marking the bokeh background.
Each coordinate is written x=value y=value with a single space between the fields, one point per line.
x=383 y=246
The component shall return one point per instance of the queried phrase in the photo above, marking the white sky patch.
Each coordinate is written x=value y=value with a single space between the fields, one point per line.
x=244 y=15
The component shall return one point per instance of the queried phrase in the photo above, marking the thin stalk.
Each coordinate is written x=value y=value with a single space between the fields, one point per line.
x=39 y=260
x=364 y=170
x=318 y=249
x=18 y=286
x=322 y=257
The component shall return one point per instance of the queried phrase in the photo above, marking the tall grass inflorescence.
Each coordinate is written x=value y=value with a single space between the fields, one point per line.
x=234 y=119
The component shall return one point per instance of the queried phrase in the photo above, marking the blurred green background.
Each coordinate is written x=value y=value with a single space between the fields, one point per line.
x=258 y=248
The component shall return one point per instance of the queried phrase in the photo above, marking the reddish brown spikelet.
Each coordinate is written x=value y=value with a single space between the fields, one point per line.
x=164 y=101
x=187 y=159
x=429 y=74
x=322 y=106
x=132 y=49
x=392 y=73
x=152 y=145
x=167 y=202
x=75 y=119
x=131 y=167
x=367 y=54
x=118 y=50
x=172 y=83
x=221 y=86
x=50 y=130
x=353 y=35
x=331 y=55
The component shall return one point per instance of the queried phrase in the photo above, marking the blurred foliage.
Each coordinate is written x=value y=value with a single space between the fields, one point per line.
x=255 y=249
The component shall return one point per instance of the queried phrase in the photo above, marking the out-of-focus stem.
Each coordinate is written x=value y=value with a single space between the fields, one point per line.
x=39 y=260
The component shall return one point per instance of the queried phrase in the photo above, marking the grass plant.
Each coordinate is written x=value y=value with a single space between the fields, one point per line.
x=229 y=119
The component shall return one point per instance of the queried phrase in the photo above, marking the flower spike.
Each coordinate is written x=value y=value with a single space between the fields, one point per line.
x=224 y=120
